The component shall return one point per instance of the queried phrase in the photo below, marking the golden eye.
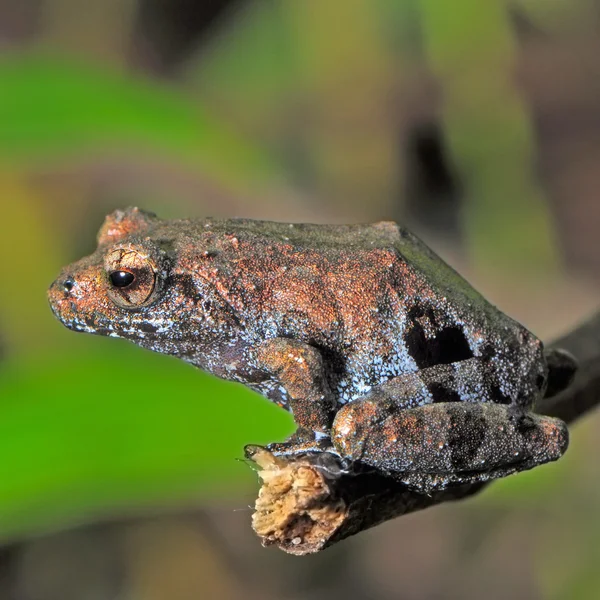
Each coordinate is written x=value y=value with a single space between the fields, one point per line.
x=131 y=276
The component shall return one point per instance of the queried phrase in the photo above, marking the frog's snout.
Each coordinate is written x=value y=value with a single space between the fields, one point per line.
x=72 y=300
x=58 y=295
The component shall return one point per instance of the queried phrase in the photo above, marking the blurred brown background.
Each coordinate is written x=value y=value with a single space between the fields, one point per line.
x=476 y=124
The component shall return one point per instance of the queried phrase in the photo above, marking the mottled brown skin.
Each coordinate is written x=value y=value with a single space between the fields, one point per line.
x=323 y=320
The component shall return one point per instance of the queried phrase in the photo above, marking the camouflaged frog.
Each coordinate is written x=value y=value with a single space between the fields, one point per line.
x=382 y=352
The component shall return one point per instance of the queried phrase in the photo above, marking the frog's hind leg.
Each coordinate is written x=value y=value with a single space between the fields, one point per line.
x=437 y=446
x=470 y=380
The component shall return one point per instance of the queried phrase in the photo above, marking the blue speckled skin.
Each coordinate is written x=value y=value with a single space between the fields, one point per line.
x=313 y=317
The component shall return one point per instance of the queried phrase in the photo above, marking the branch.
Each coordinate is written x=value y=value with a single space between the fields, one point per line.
x=584 y=393
x=308 y=502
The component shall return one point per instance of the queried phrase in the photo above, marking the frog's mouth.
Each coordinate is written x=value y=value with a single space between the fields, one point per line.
x=77 y=323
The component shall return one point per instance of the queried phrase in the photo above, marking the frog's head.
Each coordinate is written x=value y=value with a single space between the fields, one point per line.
x=138 y=285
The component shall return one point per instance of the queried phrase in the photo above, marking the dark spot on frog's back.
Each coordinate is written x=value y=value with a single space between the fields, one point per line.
x=334 y=360
x=147 y=327
x=498 y=396
x=466 y=435
x=524 y=423
x=442 y=393
x=488 y=352
x=188 y=287
x=448 y=346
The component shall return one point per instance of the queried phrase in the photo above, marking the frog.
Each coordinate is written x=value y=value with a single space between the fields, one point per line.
x=385 y=356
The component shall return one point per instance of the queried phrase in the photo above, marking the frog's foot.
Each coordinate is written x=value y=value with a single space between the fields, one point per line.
x=301 y=444
x=433 y=447
x=562 y=366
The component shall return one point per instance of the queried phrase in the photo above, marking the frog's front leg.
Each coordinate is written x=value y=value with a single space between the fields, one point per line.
x=436 y=446
x=299 y=369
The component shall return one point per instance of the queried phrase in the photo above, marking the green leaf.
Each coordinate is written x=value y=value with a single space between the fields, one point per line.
x=93 y=433
x=51 y=107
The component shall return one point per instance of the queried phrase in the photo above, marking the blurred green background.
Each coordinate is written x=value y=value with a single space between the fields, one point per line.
x=477 y=124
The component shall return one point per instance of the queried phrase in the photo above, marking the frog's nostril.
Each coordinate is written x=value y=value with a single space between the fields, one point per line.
x=68 y=284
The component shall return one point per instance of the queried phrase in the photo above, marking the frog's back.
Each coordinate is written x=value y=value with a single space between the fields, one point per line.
x=301 y=235
x=404 y=309
x=374 y=298
x=375 y=260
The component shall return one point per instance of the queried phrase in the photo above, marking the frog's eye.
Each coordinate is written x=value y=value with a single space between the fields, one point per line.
x=121 y=279
x=131 y=277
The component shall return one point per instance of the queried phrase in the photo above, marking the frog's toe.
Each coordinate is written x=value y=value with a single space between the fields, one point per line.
x=302 y=441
